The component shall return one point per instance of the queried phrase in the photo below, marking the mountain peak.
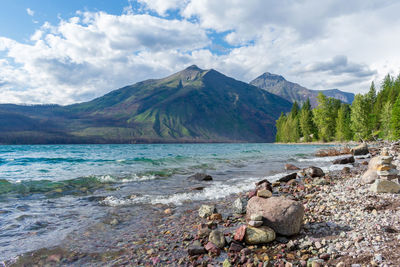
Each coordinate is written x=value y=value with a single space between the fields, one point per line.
x=271 y=76
x=187 y=75
x=193 y=68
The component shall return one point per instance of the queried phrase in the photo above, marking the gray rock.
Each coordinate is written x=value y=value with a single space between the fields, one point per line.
x=385 y=186
x=207 y=210
x=256 y=217
x=283 y=215
x=217 y=238
x=369 y=177
x=261 y=235
x=239 y=206
x=360 y=150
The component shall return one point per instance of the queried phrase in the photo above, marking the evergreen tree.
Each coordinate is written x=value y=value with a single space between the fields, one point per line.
x=360 y=117
x=386 y=117
x=306 y=121
x=295 y=110
x=343 y=130
x=371 y=98
x=325 y=117
x=395 y=120
x=279 y=128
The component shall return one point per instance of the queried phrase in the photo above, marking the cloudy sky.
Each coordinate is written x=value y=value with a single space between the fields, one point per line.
x=72 y=51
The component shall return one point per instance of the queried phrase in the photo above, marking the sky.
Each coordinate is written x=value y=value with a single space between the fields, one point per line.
x=64 y=52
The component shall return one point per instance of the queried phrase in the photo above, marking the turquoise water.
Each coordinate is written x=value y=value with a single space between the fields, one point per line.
x=48 y=191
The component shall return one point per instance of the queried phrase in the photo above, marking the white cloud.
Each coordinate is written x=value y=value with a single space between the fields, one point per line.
x=321 y=45
x=30 y=12
x=87 y=56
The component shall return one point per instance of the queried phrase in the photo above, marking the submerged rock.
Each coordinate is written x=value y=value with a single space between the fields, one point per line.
x=283 y=215
x=360 y=150
x=207 y=210
x=291 y=167
x=261 y=235
x=201 y=177
x=385 y=186
x=239 y=206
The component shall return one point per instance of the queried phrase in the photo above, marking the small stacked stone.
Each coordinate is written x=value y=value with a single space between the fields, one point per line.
x=385 y=169
x=256 y=220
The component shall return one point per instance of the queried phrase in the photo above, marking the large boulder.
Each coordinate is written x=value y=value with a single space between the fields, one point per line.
x=360 y=150
x=260 y=235
x=369 y=177
x=283 y=215
x=385 y=186
x=345 y=160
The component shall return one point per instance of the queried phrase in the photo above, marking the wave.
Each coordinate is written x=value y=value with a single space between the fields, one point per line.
x=78 y=186
x=155 y=162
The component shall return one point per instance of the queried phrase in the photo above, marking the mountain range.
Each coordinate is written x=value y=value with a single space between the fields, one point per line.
x=278 y=85
x=193 y=105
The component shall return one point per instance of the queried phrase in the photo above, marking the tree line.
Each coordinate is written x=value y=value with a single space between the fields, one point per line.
x=372 y=115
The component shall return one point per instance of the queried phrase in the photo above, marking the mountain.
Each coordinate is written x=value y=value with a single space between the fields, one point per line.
x=193 y=105
x=278 y=85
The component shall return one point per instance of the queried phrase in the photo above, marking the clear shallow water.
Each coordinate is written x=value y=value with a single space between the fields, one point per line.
x=47 y=192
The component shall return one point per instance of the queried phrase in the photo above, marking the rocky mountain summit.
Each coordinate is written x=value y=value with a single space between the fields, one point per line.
x=278 y=85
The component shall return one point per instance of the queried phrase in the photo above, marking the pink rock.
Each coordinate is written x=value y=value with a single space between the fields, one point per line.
x=240 y=233
x=283 y=215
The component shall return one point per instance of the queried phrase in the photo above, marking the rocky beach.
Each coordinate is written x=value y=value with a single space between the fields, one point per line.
x=347 y=217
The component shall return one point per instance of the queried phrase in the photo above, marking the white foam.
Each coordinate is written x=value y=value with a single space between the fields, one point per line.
x=216 y=191
x=321 y=159
x=363 y=156
x=132 y=178
x=336 y=167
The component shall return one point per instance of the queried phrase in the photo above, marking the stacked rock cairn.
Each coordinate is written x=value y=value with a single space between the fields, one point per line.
x=386 y=170
x=388 y=175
